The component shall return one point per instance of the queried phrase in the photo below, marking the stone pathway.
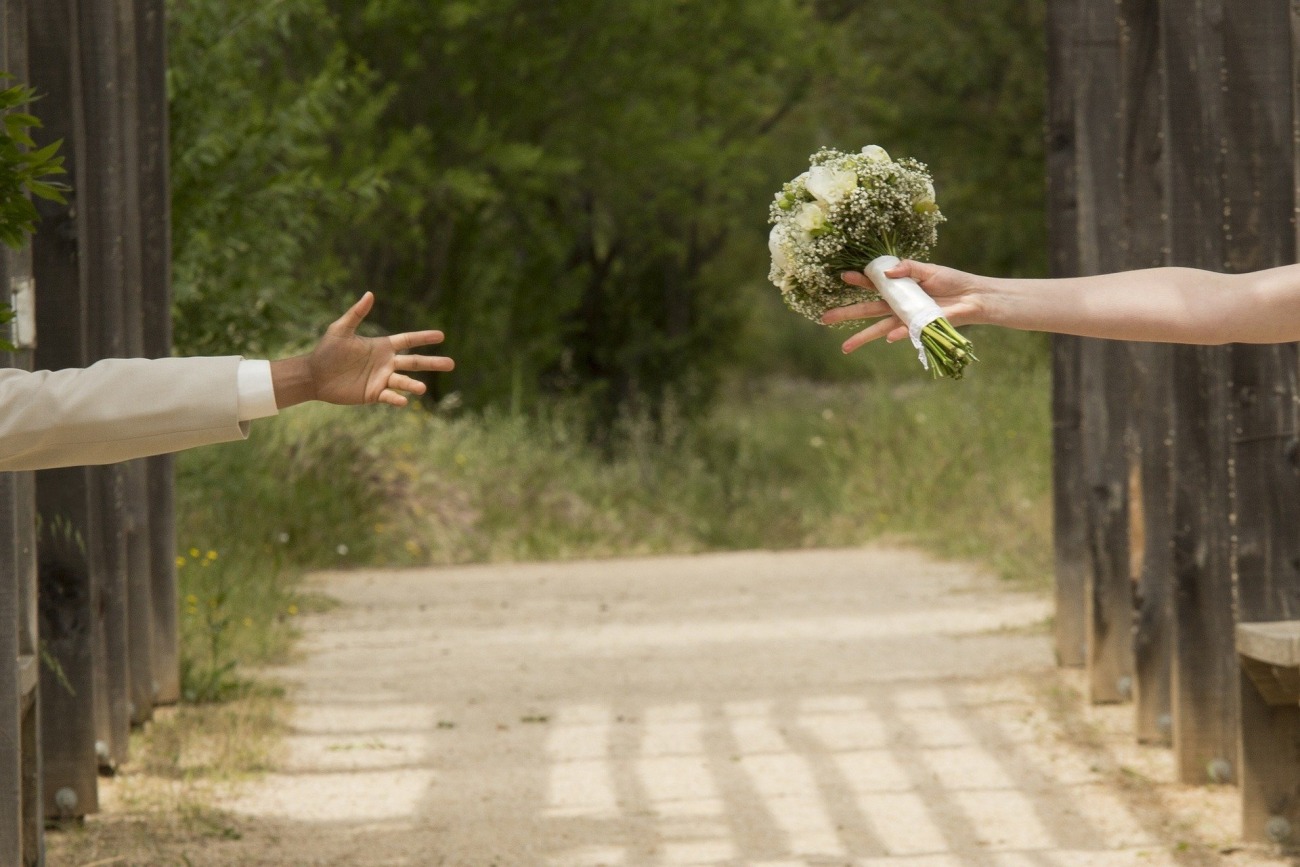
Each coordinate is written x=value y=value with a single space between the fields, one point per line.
x=863 y=707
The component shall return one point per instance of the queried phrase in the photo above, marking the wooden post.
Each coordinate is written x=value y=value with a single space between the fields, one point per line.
x=1259 y=198
x=11 y=754
x=68 y=596
x=102 y=198
x=155 y=283
x=1105 y=368
x=135 y=473
x=1205 y=726
x=18 y=279
x=1143 y=246
x=1151 y=516
x=19 y=691
x=1068 y=497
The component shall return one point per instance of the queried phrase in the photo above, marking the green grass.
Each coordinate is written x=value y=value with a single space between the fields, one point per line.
x=960 y=469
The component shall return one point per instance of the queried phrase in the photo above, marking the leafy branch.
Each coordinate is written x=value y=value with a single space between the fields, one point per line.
x=25 y=170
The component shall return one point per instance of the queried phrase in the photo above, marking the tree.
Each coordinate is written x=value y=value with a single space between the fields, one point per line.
x=576 y=168
x=575 y=190
x=266 y=108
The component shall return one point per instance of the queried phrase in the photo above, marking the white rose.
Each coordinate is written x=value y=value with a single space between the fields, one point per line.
x=810 y=218
x=925 y=203
x=779 y=258
x=830 y=186
x=875 y=153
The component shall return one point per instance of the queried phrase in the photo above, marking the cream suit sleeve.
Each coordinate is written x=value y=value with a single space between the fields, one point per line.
x=117 y=410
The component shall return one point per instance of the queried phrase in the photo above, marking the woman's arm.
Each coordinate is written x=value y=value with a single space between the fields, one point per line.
x=1168 y=305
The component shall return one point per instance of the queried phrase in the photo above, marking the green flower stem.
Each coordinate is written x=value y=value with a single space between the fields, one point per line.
x=947 y=351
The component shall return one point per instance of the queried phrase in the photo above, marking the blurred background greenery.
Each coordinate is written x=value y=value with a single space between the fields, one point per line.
x=576 y=192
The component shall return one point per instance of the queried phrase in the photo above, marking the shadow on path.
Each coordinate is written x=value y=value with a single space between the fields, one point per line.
x=856 y=707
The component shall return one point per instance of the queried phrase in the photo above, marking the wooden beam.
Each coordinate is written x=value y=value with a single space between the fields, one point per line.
x=69 y=524
x=1149 y=417
x=1068 y=497
x=17 y=272
x=1259 y=205
x=1105 y=367
x=136 y=538
x=155 y=283
x=11 y=794
x=1205 y=669
x=105 y=253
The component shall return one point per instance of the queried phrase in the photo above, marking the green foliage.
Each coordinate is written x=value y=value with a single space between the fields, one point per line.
x=238 y=576
x=575 y=191
x=962 y=87
x=266 y=111
x=963 y=469
x=577 y=168
x=24 y=172
x=24 y=168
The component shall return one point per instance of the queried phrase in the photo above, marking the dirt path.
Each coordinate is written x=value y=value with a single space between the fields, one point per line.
x=865 y=707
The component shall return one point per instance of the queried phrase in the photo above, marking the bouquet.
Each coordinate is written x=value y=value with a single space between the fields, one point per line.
x=863 y=212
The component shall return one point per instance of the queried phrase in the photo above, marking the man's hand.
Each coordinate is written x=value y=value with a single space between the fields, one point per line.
x=956 y=292
x=346 y=368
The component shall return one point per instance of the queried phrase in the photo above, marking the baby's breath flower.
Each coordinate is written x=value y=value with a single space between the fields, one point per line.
x=842 y=213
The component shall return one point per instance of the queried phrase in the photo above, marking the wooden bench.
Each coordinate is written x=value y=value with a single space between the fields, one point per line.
x=1269 y=654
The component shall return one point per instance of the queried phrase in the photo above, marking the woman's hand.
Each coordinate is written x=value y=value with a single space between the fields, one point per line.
x=956 y=292
x=346 y=368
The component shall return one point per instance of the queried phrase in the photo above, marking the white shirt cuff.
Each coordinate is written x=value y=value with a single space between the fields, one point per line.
x=256 y=390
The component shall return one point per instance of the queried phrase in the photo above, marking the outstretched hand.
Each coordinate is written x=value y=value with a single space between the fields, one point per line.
x=346 y=368
x=956 y=293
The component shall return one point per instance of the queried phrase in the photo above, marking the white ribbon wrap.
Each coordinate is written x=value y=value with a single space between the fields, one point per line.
x=907 y=299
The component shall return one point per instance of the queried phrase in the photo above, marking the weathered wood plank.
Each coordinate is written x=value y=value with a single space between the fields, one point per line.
x=1259 y=204
x=67 y=593
x=1105 y=368
x=1149 y=435
x=22 y=751
x=1068 y=497
x=105 y=252
x=11 y=793
x=1152 y=512
x=1205 y=726
x=1274 y=643
x=139 y=580
x=18 y=272
x=155 y=283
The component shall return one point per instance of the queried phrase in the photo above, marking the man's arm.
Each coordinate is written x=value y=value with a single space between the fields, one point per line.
x=121 y=409
x=116 y=410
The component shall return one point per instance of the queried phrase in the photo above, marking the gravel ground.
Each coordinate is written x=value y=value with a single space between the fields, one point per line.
x=863 y=707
